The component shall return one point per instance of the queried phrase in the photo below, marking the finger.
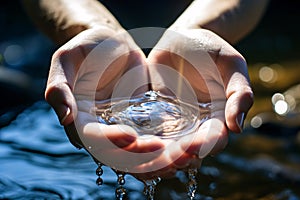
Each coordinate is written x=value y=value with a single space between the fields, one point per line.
x=59 y=91
x=237 y=88
x=237 y=106
x=117 y=146
x=100 y=136
x=146 y=144
x=60 y=97
x=210 y=138
x=180 y=158
x=161 y=166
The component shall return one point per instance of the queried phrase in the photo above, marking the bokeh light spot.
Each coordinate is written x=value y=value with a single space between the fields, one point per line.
x=267 y=74
x=256 y=122
x=281 y=107
x=14 y=55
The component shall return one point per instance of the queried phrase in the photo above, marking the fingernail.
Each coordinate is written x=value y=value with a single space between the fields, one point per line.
x=240 y=120
x=65 y=116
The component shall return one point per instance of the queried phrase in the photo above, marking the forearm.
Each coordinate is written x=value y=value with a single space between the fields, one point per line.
x=231 y=19
x=63 y=19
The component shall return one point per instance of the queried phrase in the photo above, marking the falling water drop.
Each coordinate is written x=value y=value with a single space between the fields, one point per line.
x=192 y=183
x=99 y=181
x=99 y=172
x=150 y=186
x=121 y=192
x=121 y=178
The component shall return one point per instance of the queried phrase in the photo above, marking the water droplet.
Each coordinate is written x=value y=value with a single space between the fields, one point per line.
x=99 y=171
x=121 y=178
x=99 y=181
x=192 y=183
x=121 y=193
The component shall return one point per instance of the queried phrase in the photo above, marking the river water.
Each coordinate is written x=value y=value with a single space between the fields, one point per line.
x=38 y=162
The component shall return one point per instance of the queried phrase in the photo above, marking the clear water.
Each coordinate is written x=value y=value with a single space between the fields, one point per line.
x=154 y=114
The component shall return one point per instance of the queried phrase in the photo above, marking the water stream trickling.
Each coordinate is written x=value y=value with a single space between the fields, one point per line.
x=153 y=114
x=121 y=192
x=150 y=186
x=192 y=182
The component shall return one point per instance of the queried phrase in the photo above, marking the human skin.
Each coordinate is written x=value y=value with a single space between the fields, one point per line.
x=82 y=25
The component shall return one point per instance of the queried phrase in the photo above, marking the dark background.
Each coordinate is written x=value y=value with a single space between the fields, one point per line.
x=276 y=38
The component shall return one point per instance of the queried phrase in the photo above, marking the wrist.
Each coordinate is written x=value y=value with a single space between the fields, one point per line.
x=181 y=25
x=72 y=26
x=61 y=20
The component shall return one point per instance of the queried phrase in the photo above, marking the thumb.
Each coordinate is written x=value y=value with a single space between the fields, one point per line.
x=61 y=76
x=61 y=98
x=239 y=101
x=239 y=95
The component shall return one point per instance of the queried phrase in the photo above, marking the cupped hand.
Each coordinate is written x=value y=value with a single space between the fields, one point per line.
x=198 y=65
x=87 y=69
